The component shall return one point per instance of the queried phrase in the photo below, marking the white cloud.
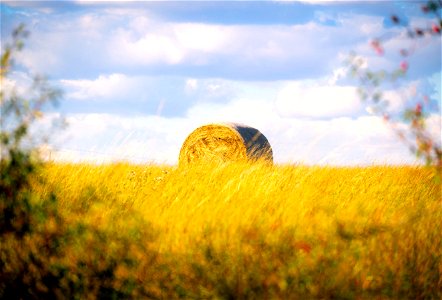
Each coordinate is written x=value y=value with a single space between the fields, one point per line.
x=104 y=87
x=336 y=141
x=309 y=1
x=171 y=43
x=103 y=138
x=107 y=137
x=305 y=121
x=254 y=112
x=436 y=82
x=298 y=99
x=318 y=125
x=148 y=42
x=120 y=39
x=37 y=58
x=151 y=48
x=202 y=37
x=191 y=85
x=286 y=46
x=339 y=141
x=401 y=97
x=89 y=2
x=434 y=128
x=17 y=82
x=124 y=90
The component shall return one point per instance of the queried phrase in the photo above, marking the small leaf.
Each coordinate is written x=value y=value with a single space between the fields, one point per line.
x=395 y=19
x=377 y=97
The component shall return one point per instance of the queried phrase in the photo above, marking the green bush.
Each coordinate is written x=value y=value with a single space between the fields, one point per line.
x=47 y=253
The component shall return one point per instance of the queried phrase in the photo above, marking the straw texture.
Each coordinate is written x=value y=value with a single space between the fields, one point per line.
x=225 y=142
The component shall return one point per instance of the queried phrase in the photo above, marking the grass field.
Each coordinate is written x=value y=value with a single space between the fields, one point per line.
x=241 y=231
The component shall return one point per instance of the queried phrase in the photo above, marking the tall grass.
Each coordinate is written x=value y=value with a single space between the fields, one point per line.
x=239 y=231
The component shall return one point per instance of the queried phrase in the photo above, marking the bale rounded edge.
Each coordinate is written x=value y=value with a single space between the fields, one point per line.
x=223 y=142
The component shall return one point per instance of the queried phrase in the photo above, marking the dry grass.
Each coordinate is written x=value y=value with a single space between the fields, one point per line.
x=252 y=230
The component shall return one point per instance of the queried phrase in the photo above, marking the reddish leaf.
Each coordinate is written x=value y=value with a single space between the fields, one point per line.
x=404 y=66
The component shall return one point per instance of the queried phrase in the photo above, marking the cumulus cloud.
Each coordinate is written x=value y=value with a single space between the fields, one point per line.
x=103 y=138
x=119 y=40
x=257 y=74
x=17 y=82
x=306 y=122
x=298 y=99
x=203 y=37
x=338 y=141
x=88 y=2
x=248 y=111
x=125 y=38
x=191 y=85
x=104 y=87
x=434 y=127
x=152 y=48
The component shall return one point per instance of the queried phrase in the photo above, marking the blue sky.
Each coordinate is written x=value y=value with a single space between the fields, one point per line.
x=138 y=77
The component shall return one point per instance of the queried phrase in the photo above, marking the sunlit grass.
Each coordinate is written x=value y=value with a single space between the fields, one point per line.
x=254 y=230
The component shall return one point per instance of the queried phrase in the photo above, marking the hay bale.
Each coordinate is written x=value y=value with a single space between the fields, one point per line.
x=225 y=142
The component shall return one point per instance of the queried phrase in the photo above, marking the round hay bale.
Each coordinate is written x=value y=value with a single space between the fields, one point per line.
x=225 y=142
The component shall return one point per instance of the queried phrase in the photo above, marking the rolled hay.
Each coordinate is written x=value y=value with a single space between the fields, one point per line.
x=225 y=142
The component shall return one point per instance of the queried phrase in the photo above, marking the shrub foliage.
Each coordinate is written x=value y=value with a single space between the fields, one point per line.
x=45 y=252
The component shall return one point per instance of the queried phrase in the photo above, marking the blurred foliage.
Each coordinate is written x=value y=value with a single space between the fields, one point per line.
x=47 y=253
x=18 y=163
x=372 y=87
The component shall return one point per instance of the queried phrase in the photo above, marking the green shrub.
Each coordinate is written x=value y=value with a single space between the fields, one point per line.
x=48 y=253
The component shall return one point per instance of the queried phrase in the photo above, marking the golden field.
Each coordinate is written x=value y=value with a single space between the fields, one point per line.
x=241 y=231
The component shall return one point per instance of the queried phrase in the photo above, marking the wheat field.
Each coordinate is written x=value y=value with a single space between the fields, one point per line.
x=247 y=231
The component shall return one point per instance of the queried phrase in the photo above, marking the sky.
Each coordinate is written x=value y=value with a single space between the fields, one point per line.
x=138 y=76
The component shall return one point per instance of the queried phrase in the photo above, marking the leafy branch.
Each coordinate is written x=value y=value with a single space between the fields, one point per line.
x=372 y=87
